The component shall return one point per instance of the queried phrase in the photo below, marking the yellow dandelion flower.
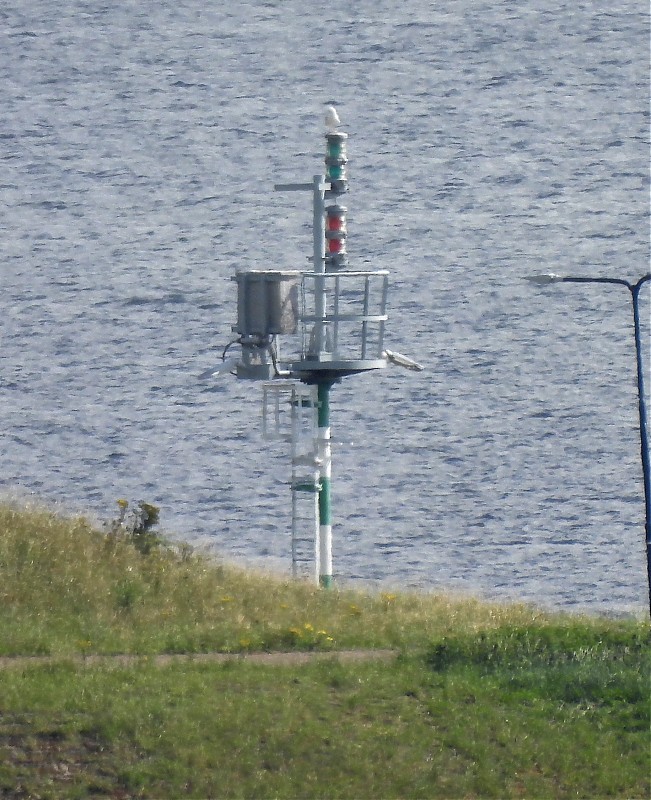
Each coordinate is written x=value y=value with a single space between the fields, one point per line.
x=308 y=627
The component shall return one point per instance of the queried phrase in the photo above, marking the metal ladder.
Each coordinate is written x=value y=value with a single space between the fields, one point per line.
x=289 y=413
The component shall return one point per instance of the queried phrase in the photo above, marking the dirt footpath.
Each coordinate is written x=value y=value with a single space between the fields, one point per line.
x=277 y=659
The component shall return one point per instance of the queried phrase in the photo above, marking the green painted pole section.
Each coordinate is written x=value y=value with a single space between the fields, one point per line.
x=325 y=455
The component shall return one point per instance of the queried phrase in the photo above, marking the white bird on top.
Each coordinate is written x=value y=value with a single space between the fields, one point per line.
x=332 y=120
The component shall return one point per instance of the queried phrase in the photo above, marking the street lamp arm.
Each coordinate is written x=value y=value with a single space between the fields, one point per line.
x=578 y=279
x=633 y=287
x=643 y=279
x=551 y=277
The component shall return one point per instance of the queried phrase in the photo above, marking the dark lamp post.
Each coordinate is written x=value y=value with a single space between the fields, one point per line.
x=634 y=289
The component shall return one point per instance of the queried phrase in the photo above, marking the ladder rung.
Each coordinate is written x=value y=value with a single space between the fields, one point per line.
x=305 y=486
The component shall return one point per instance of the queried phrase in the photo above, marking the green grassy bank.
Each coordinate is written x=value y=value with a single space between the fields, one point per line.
x=482 y=700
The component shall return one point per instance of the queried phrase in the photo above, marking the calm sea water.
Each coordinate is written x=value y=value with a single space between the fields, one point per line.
x=140 y=143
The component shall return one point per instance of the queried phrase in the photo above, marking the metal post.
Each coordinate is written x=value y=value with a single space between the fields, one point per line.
x=634 y=289
x=644 y=441
x=324 y=452
x=318 y=258
x=325 y=456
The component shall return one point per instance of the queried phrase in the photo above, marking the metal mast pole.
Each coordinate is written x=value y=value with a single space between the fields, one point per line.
x=644 y=440
x=634 y=289
x=318 y=260
x=324 y=451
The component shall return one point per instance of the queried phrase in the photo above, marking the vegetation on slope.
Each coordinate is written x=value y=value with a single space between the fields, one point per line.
x=67 y=588
x=483 y=701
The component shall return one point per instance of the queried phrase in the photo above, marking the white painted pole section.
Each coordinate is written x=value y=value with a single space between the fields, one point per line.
x=316 y=475
x=294 y=433
x=325 y=527
x=325 y=455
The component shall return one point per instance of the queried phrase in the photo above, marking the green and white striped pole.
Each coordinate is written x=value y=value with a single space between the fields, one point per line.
x=325 y=456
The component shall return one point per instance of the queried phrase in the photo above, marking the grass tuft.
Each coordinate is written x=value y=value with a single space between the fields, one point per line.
x=541 y=646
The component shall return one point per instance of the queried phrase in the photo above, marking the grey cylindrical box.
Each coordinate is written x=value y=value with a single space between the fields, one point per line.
x=267 y=302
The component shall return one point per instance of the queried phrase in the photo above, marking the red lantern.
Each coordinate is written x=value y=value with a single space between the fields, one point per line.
x=335 y=234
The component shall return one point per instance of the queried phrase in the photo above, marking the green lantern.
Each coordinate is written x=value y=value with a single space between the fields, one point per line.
x=336 y=161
